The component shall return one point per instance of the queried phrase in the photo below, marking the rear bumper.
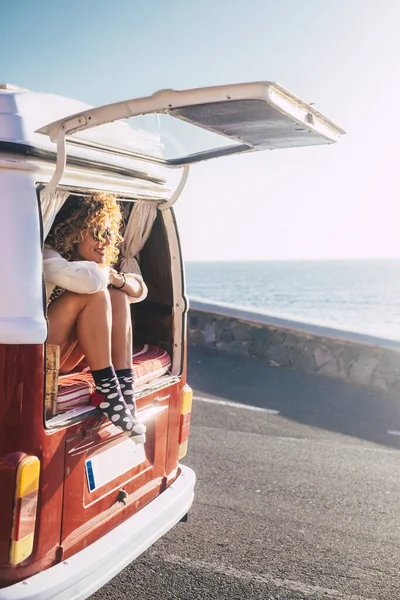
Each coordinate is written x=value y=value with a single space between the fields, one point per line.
x=87 y=571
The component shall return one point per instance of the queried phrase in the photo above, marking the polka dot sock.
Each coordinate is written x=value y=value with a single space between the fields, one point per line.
x=110 y=401
x=126 y=383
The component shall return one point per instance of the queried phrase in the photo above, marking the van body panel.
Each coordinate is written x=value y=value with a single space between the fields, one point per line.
x=22 y=434
x=81 y=575
x=88 y=513
x=21 y=309
x=93 y=173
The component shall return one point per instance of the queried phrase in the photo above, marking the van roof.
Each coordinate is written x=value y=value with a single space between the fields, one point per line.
x=12 y=88
x=23 y=112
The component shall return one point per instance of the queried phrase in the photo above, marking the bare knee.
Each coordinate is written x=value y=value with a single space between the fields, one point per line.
x=101 y=296
x=101 y=299
x=97 y=305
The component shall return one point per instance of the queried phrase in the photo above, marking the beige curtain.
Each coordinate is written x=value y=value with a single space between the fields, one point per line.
x=137 y=231
x=51 y=204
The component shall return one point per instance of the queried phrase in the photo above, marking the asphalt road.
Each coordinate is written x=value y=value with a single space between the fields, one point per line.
x=302 y=503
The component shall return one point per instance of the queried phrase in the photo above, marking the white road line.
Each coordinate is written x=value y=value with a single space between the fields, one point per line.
x=393 y=432
x=235 y=405
x=286 y=584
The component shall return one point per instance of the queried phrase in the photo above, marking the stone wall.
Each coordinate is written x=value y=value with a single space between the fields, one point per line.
x=357 y=358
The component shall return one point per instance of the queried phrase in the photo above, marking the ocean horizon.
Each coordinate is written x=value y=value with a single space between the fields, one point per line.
x=360 y=295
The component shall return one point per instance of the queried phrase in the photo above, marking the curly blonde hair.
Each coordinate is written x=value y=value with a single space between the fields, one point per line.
x=81 y=215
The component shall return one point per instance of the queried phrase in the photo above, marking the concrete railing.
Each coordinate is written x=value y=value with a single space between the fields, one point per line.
x=353 y=357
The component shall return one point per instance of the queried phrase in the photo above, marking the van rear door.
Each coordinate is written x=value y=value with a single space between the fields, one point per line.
x=199 y=124
x=108 y=477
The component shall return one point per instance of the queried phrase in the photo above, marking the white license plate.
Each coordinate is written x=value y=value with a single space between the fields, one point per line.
x=110 y=464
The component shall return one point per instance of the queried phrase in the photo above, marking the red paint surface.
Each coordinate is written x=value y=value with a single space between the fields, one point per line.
x=69 y=517
x=22 y=433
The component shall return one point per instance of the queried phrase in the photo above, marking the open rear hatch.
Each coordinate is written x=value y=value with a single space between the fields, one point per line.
x=198 y=124
x=103 y=467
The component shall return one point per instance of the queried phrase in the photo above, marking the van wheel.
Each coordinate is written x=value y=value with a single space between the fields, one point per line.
x=184 y=518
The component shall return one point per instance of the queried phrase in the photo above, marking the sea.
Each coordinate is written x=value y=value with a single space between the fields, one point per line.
x=355 y=295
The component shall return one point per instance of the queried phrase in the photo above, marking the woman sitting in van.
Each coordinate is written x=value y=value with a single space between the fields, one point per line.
x=88 y=303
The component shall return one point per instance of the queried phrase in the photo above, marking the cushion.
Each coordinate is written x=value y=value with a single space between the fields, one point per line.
x=75 y=388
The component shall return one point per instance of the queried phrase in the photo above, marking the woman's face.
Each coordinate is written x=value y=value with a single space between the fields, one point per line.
x=92 y=248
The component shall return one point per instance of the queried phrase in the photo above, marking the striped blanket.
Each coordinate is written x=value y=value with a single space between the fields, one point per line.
x=75 y=388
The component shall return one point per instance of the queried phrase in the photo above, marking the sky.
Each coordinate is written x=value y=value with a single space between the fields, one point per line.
x=338 y=201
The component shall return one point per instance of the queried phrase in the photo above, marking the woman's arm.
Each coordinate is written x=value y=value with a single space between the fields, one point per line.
x=130 y=283
x=82 y=277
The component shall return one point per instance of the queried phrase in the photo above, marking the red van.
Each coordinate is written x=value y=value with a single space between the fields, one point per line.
x=79 y=499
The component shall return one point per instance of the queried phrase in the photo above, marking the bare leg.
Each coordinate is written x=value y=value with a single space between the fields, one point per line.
x=83 y=317
x=121 y=347
x=121 y=334
x=71 y=361
x=82 y=323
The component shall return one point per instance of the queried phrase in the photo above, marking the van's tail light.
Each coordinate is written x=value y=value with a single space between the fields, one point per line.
x=186 y=410
x=25 y=505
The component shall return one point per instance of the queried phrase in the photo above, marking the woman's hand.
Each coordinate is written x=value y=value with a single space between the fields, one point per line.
x=116 y=279
x=128 y=283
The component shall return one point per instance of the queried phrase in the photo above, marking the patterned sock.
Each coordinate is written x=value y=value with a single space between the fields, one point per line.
x=110 y=401
x=126 y=383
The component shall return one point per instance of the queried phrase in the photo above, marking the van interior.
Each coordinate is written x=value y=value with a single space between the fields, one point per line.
x=68 y=395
